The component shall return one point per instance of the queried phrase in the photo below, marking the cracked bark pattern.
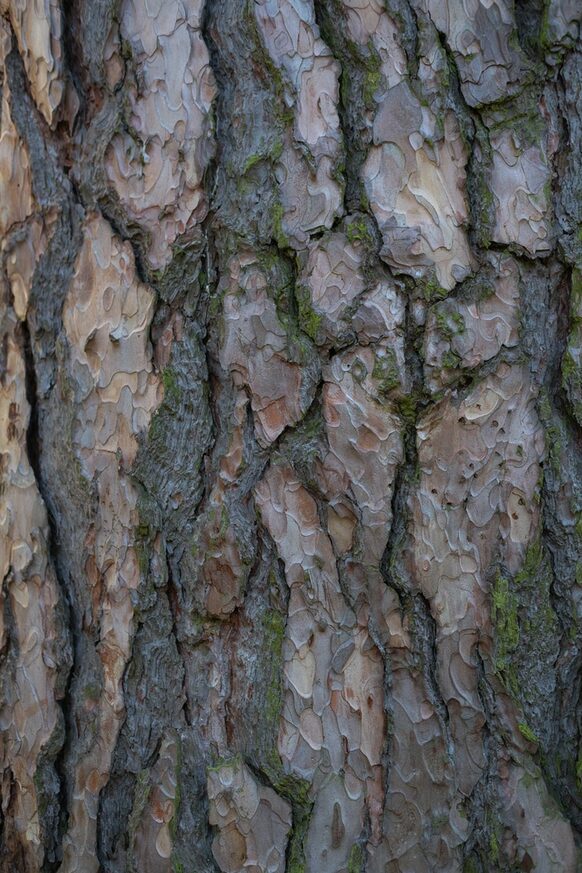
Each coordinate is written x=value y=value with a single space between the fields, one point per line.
x=290 y=447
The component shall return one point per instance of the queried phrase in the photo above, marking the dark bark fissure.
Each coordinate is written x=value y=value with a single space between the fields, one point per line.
x=567 y=715
x=39 y=348
x=54 y=828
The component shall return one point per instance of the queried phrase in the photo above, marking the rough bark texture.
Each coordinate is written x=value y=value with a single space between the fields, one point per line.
x=290 y=432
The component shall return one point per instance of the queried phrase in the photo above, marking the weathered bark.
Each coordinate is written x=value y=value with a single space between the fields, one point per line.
x=290 y=430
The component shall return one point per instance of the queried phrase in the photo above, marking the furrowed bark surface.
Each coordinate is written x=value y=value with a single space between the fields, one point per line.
x=290 y=436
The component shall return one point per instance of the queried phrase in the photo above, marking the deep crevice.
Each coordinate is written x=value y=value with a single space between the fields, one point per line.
x=34 y=450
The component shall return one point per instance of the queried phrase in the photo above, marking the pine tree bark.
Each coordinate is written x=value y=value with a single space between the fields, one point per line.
x=290 y=430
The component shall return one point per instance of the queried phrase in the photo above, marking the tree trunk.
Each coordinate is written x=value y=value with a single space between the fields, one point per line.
x=291 y=418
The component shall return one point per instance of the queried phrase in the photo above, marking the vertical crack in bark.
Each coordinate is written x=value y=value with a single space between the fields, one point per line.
x=33 y=446
x=174 y=608
x=34 y=451
x=566 y=435
x=328 y=14
x=37 y=350
x=395 y=569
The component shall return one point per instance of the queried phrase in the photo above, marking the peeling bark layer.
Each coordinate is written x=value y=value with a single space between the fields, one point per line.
x=290 y=436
